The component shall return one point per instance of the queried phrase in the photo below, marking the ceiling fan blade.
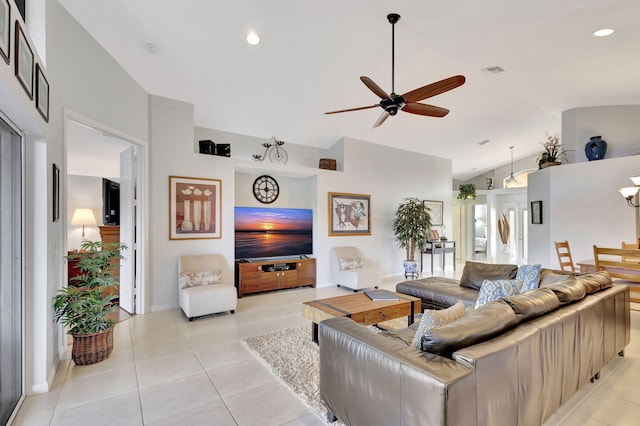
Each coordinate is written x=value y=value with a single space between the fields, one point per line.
x=381 y=119
x=374 y=87
x=434 y=89
x=352 y=109
x=423 y=109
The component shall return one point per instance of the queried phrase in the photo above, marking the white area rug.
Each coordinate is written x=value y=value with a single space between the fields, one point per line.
x=294 y=359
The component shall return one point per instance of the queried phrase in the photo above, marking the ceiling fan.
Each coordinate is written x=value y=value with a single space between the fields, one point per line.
x=408 y=102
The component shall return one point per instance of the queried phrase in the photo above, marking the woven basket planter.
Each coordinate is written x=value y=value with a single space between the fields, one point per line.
x=92 y=348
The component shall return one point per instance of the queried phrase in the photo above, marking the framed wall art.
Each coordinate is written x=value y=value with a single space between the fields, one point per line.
x=435 y=211
x=24 y=61
x=56 y=193
x=349 y=214
x=536 y=212
x=5 y=30
x=194 y=208
x=42 y=94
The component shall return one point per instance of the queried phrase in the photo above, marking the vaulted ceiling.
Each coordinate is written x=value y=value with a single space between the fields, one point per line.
x=312 y=54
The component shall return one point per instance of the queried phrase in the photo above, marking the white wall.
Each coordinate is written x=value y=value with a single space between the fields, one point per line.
x=387 y=174
x=581 y=204
x=617 y=124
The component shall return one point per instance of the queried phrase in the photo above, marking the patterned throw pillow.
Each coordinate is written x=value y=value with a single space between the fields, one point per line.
x=347 y=263
x=194 y=279
x=494 y=290
x=434 y=318
x=530 y=275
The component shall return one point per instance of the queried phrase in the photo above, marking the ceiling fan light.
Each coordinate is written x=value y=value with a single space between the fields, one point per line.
x=635 y=180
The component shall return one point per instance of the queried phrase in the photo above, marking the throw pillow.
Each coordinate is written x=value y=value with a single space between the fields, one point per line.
x=493 y=290
x=530 y=275
x=435 y=318
x=211 y=277
x=347 y=263
x=194 y=279
x=188 y=279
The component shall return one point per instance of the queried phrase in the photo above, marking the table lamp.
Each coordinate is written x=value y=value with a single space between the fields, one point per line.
x=83 y=217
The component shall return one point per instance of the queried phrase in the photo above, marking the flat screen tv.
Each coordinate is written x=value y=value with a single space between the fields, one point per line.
x=265 y=232
x=110 y=202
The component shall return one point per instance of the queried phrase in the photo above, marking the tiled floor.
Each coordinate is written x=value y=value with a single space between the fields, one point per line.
x=166 y=370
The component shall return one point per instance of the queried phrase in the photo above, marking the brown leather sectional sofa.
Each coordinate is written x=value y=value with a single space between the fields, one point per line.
x=514 y=361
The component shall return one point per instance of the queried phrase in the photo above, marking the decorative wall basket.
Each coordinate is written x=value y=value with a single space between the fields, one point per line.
x=92 y=348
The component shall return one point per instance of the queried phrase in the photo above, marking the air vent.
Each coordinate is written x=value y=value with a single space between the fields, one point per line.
x=493 y=70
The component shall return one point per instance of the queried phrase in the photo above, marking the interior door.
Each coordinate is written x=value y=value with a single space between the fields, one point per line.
x=127 y=230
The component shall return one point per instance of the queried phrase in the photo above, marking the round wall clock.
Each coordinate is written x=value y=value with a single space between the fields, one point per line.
x=266 y=189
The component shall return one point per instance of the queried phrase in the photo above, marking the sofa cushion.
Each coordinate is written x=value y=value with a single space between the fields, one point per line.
x=530 y=275
x=595 y=281
x=438 y=292
x=474 y=273
x=476 y=326
x=436 y=318
x=549 y=277
x=533 y=303
x=494 y=290
x=569 y=290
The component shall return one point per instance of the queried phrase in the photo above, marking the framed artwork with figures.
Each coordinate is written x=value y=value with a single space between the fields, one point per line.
x=194 y=208
x=5 y=30
x=349 y=214
x=536 y=212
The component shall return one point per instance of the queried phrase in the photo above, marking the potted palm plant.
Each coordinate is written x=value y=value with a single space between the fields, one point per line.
x=411 y=229
x=85 y=307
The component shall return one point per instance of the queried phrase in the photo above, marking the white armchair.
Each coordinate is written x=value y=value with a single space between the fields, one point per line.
x=205 y=285
x=351 y=269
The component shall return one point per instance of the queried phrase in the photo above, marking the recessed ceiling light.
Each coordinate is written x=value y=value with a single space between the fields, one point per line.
x=603 y=32
x=253 y=38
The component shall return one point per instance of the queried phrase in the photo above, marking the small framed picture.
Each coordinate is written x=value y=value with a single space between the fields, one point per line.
x=56 y=193
x=24 y=61
x=42 y=94
x=5 y=30
x=195 y=208
x=536 y=212
x=349 y=214
x=435 y=210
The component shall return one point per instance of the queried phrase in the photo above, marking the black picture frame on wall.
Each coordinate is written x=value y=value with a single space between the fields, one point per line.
x=42 y=94
x=536 y=212
x=56 y=193
x=24 y=61
x=5 y=30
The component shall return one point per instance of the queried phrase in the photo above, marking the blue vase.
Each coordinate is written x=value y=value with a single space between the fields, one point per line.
x=596 y=148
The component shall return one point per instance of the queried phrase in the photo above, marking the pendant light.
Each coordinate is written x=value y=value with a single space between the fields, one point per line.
x=511 y=181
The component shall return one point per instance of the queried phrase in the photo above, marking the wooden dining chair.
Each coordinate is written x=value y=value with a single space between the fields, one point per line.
x=564 y=256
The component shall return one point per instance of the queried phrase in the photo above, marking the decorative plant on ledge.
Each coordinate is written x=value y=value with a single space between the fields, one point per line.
x=553 y=153
x=467 y=191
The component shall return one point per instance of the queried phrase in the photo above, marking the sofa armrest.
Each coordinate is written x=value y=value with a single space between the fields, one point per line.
x=367 y=378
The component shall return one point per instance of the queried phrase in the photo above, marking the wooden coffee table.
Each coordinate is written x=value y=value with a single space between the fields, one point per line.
x=361 y=309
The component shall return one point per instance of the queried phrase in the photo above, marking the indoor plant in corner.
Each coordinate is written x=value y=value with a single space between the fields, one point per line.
x=84 y=307
x=411 y=229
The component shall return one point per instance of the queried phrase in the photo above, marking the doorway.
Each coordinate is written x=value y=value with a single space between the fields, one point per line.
x=11 y=279
x=96 y=156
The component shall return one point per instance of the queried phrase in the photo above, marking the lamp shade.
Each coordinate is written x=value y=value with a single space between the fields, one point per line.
x=636 y=180
x=629 y=191
x=83 y=217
